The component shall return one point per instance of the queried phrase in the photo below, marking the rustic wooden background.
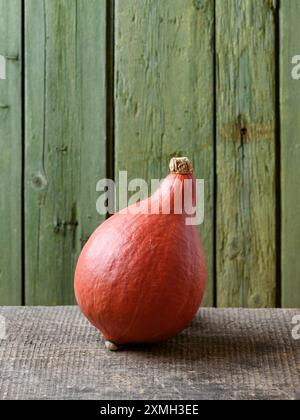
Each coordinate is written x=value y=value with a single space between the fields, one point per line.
x=96 y=86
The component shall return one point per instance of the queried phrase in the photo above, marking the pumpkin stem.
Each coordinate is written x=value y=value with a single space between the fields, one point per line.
x=181 y=165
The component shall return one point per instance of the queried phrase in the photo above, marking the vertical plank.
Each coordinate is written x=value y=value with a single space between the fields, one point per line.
x=164 y=94
x=290 y=152
x=10 y=154
x=246 y=199
x=65 y=139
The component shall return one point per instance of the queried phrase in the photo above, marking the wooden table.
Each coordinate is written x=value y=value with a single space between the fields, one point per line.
x=54 y=353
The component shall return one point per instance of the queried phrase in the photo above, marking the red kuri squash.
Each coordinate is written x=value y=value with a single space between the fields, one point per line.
x=141 y=277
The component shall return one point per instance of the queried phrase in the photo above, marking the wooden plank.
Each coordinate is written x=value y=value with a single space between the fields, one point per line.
x=246 y=202
x=290 y=152
x=164 y=94
x=65 y=139
x=10 y=154
x=225 y=354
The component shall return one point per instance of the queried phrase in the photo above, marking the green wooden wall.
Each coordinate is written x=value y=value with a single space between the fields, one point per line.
x=94 y=87
x=65 y=135
x=11 y=154
x=290 y=153
x=245 y=153
x=164 y=95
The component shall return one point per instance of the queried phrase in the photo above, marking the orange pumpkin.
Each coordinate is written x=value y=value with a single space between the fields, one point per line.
x=141 y=277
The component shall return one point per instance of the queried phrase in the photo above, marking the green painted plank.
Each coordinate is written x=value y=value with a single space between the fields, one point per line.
x=164 y=94
x=246 y=202
x=290 y=152
x=65 y=139
x=10 y=154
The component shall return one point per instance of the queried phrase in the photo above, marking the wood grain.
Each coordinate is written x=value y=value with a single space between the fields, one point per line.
x=164 y=94
x=226 y=354
x=10 y=154
x=290 y=153
x=246 y=202
x=65 y=139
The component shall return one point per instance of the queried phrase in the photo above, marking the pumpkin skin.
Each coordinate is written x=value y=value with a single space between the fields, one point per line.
x=141 y=277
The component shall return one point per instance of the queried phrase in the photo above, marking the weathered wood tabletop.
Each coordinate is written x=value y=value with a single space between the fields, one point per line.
x=53 y=353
